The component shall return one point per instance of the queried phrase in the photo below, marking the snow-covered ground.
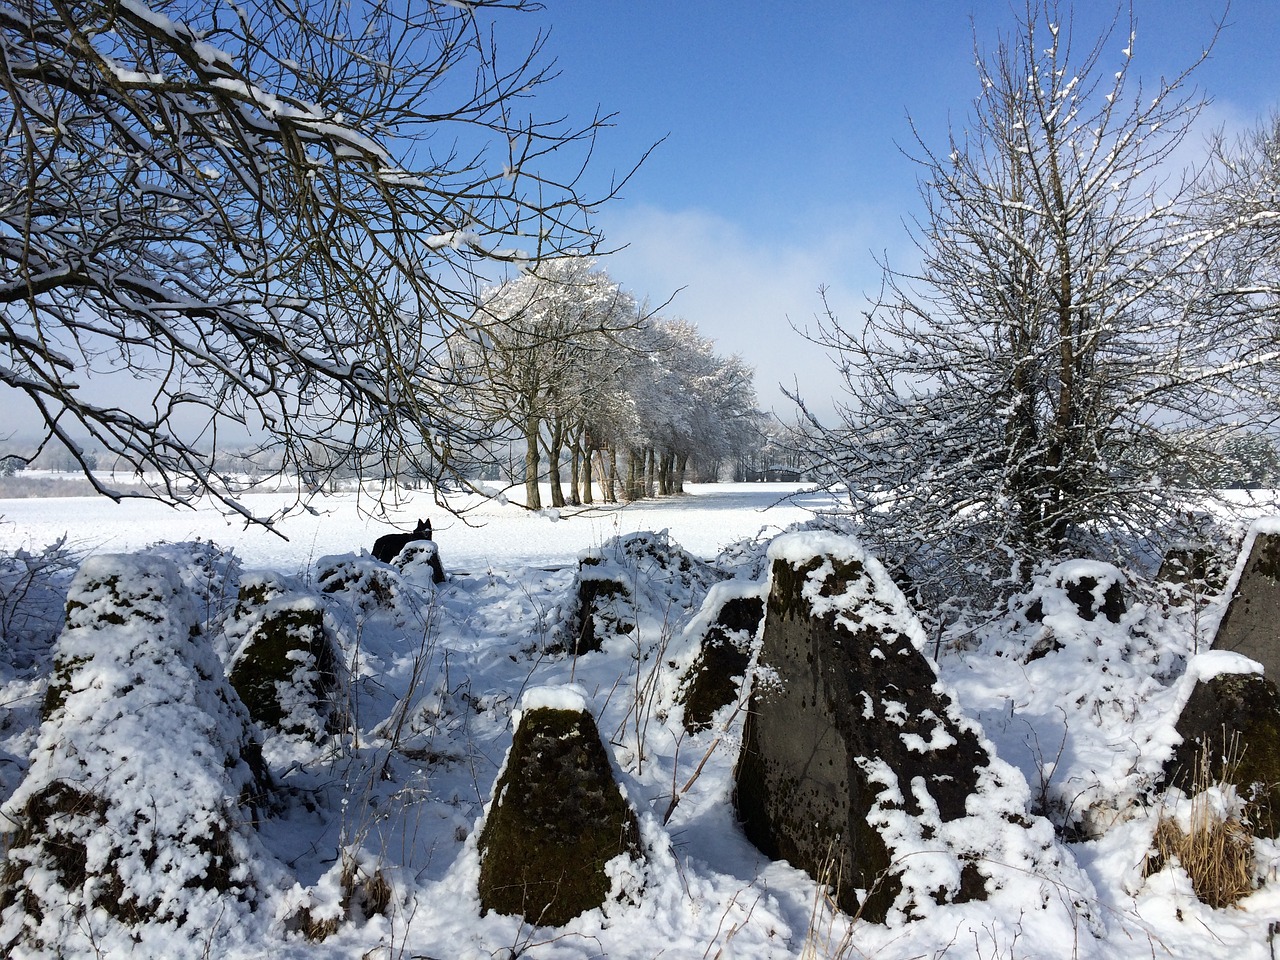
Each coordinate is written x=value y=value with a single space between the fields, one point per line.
x=493 y=532
x=434 y=677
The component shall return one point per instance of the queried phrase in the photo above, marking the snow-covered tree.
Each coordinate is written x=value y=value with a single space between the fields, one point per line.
x=1030 y=388
x=1240 y=213
x=216 y=217
x=693 y=406
x=540 y=348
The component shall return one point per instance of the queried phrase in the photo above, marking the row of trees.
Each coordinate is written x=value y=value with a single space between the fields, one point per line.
x=1084 y=330
x=221 y=220
x=567 y=364
x=278 y=218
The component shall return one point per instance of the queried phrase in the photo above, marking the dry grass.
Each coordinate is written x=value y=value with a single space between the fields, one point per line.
x=830 y=933
x=1216 y=851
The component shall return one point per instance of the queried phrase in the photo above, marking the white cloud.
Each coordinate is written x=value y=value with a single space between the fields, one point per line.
x=746 y=290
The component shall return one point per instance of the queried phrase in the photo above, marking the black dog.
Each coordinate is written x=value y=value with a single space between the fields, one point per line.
x=386 y=548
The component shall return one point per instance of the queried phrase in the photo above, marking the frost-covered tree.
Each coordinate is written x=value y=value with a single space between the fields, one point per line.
x=1030 y=388
x=693 y=406
x=1240 y=213
x=217 y=219
x=540 y=347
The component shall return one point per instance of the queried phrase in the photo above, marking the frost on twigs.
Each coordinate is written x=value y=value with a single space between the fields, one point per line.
x=33 y=591
x=144 y=782
x=285 y=665
x=558 y=824
x=859 y=756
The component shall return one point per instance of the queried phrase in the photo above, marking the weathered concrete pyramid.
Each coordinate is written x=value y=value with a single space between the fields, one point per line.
x=557 y=817
x=145 y=780
x=1251 y=624
x=858 y=767
x=714 y=679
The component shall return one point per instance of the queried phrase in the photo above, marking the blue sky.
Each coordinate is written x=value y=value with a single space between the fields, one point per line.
x=782 y=170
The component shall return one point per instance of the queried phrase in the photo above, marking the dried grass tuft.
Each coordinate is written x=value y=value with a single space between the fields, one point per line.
x=827 y=937
x=1216 y=850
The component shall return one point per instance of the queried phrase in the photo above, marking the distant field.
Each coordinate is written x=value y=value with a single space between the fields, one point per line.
x=492 y=533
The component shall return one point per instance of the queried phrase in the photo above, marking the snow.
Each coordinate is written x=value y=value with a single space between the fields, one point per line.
x=571 y=696
x=434 y=678
x=1215 y=663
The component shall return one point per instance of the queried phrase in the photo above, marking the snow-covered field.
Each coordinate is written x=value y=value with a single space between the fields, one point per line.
x=492 y=533
x=433 y=680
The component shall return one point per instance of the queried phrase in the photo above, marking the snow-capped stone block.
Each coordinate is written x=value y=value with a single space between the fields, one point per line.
x=1081 y=588
x=285 y=666
x=625 y=574
x=1251 y=623
x=604 y=607
x=857 y=765
x=714 y=679
x=144 y=782
x=367 y=584
x=1196 y=565
x=558 y=819
x=419 y=562
x=1230 y=724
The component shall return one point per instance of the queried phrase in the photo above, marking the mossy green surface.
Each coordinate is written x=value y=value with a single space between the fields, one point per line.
x=1266 y=556
x=557 y=818
x=268 y=660
x=1236 y=714
x=715 y=677
x=92 y=839
x=846 y=693
x=786 y=597
x=593 y=594
x=122 y=607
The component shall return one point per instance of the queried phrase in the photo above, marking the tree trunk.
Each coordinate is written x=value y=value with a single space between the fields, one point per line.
x=575 y=467
x=554 y=449
x=610 y=475
x=588 y=494
x=682 y=465
x=532 y=497
x=634 y=487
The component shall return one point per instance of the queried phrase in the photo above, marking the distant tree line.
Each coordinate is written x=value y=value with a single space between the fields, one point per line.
x=565 y=363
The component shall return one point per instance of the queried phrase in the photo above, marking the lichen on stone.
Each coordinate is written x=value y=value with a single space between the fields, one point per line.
x=557 y=819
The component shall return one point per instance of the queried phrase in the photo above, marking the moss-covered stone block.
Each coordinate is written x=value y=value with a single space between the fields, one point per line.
x=557 y=818
x=715 y=677
x=1087 y=588
x=369 y=584
x=285 y=671
x=1236 y=718
x=145 y=779
x=625 y=581
x=602 y=610
x=419 y=556
x=846 y=723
